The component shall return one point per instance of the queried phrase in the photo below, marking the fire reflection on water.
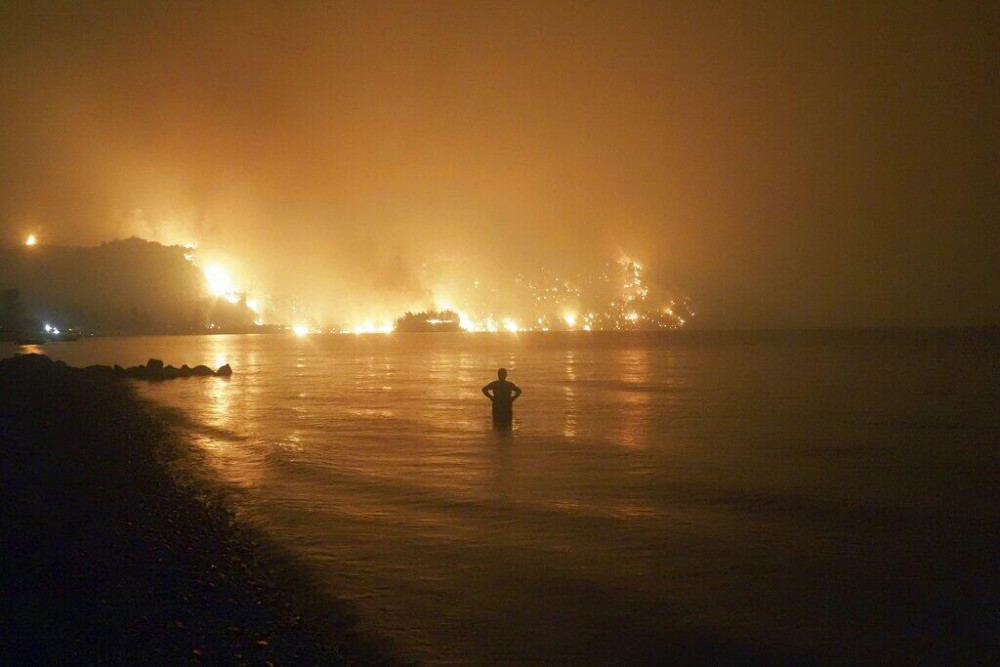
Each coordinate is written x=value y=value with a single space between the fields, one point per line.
x=389 y=438
x=227 y=409
x=569 y=389
x=635 y=398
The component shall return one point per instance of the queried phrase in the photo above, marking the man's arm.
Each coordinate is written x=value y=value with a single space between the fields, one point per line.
x=517 y=392
x=486 y=392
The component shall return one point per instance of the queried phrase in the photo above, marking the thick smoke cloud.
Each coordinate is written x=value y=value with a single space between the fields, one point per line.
x=781 y=164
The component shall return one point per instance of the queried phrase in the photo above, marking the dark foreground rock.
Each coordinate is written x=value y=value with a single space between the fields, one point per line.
x=106 y=558
x=155 y=370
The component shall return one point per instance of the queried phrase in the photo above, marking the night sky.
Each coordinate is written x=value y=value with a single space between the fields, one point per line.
x=784 y=164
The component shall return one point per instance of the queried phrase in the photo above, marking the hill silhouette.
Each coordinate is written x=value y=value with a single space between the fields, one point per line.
x=124 y=286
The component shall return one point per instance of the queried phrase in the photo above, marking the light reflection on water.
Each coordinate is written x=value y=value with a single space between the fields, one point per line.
x=653 y=488
x=569 y=388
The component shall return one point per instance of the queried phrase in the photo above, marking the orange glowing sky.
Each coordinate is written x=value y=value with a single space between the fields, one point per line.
x=782 y=163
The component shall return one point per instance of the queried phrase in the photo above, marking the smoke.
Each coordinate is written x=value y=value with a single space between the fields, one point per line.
x=177 y=229
x=780 y=165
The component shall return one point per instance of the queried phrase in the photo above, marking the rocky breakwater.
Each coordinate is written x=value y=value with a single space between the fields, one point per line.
x=154 y=370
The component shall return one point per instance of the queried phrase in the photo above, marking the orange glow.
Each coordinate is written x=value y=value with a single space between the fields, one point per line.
x=370 y=327
x=219 y=282
x=31 y=240
x=543 y=302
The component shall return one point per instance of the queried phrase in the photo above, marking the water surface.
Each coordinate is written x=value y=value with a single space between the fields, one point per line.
x=822 y=495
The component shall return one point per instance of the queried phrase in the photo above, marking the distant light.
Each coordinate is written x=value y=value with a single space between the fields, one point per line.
x=48 y=328
x=510 y=325
x=31 y=240
x=570 y=319
x=253 y=305
x=300 y=330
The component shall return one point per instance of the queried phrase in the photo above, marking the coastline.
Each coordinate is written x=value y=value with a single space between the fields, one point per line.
x=108 y=558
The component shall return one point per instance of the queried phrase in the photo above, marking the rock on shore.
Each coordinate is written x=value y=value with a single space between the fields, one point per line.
x=107 y=558
x=155 y=370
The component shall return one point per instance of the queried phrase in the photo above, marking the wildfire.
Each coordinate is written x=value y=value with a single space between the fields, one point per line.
x=619 y=298
x=510 y=325
x=616 y=298
x=370 y=328
x=220 y=283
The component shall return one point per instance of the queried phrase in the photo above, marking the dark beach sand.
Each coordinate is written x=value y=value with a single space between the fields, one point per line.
x=107 y=558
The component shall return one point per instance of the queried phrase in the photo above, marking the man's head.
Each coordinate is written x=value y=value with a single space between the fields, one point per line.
x=502 y=373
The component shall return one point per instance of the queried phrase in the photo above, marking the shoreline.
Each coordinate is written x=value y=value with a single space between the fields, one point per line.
x=986 y=331
x=109 y=558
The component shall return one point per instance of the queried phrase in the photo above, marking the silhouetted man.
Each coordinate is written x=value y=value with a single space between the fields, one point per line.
x=503 y=396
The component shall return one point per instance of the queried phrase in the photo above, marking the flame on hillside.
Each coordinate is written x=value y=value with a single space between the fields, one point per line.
x=618 y=298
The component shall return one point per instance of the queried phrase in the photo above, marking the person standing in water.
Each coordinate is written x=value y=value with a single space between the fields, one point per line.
x=502 y=394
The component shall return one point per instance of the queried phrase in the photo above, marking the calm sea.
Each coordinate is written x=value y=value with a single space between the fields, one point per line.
x=821 y=495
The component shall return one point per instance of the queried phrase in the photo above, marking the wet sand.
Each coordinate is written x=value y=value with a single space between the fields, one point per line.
x=108 y=558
